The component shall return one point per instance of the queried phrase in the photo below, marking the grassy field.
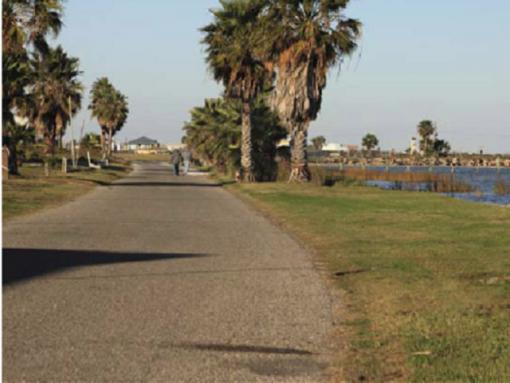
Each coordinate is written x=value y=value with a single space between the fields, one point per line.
x=32 y=191
x=424 y=279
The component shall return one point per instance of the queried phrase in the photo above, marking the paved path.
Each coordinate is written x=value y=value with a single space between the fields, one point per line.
x=160 y=278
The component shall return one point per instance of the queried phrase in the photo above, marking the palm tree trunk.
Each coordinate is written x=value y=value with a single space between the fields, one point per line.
x=59 y=130
x=299 y=161
x=50 y=142
x=39 y=130
x=110 y=137
x=246 y=146
x=12 y=159
x=103 y=143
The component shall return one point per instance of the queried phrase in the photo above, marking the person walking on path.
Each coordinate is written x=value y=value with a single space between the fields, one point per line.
x=186 y=158
x=176 y=160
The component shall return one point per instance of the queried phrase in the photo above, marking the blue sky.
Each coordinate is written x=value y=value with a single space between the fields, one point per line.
x=445 y=60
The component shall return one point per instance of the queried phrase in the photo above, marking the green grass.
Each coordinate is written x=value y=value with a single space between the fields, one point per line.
x=430 y=296
x=32 y=190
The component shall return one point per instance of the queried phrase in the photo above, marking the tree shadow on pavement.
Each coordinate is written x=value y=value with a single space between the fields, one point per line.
x=21 y=264
x=243 y=348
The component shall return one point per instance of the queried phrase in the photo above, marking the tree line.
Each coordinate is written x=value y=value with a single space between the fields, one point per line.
x=429 y=142
x=280 y=50
x=41 y=87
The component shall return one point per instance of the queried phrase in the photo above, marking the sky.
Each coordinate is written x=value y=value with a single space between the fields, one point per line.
x=443 y=60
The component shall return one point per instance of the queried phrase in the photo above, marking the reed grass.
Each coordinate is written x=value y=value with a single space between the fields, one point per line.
x=501 y=187
x=433 y=182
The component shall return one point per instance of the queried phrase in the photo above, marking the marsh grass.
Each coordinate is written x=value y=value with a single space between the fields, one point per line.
x=437 y=183
x=501 y=187
x=433 y=301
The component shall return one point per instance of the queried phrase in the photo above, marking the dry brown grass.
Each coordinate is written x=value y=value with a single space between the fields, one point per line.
x=437 y=183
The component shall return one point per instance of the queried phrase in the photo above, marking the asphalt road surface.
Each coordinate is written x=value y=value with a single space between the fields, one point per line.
x=160 y=278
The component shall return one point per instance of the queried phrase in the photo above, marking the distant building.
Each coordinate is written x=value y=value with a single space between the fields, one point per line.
x=333 y=147
x=172 y=147
x=117 y=146
x=413 y=147
x=142 y=144
x=339 y=148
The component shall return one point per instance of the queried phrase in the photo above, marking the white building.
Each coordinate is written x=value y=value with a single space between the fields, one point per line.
x=413 y=147
x=172 y=147
x=332 y=147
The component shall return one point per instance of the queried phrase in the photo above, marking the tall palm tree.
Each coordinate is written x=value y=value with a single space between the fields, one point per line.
x=55 y=94
x=233 y=40
x=308 y=38
x=118 y=116
x=428 y=134
x=110 y=108
x=99 y=105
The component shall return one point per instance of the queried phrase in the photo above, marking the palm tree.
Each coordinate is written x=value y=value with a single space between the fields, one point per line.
x=427 y=132
x=318 y=142
x=118 y=117
x=214 y=134
x=369 y=141
x=16 y=77
x=233 y=42
x=110 y=108
x=13 y=33
x=45 y=18
x=308 y=38
x=99 y=105
x=28 y=23
x=55 y=94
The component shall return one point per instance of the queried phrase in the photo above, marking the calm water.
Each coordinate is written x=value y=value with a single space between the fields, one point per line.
x=482 y=180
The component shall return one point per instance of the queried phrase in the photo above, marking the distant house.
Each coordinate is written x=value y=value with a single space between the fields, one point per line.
x=142 y=144
x=340 y=148
x=332 y=147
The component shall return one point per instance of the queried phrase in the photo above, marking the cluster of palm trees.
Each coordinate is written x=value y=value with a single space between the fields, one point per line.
x=41 y=91
x=285 y=47
x=41 y=87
